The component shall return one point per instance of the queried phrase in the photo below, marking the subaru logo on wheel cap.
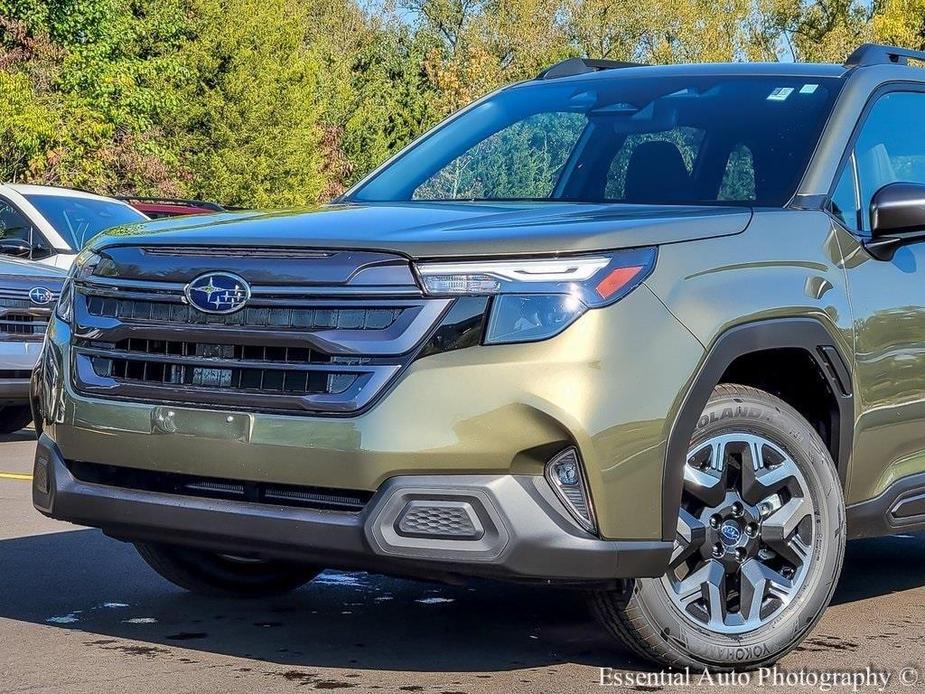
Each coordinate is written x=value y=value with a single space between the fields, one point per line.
x=41 y=296
x=218 y=292
x=730 y=533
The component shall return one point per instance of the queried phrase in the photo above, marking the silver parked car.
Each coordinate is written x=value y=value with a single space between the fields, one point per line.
x=28 y=292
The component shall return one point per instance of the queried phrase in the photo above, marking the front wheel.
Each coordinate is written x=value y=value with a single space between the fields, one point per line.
x=208 y=573
x=759 y=546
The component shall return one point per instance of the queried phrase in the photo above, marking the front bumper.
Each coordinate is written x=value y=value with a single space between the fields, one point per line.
x=16 y=357
x=609 y=386
x=480 y=423
x=19 y=356
x=516 y=528
x=14 y=390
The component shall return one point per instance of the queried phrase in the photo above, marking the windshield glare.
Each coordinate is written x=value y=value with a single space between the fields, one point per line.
x=80 y=219
x=679 y=140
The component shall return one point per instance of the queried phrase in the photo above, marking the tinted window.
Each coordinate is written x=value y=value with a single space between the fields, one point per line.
x=13 y=225
x=890 y=148
x=80 y=219
x=639 y=138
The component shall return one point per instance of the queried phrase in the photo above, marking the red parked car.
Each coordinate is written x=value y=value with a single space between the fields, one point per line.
x=168 y=207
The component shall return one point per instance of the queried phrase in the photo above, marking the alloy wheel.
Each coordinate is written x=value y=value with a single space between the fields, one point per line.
x=745 y=533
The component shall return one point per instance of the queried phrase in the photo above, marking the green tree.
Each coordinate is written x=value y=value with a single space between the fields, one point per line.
x=287 y=102
x=900 y=22
x=250 y=128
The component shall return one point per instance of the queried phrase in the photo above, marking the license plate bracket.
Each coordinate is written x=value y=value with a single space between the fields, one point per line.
x=224 y=426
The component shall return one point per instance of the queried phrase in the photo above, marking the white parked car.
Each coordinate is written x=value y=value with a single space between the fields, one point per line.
x=50 y=225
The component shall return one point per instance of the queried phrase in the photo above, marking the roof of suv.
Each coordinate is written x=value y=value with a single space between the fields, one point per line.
x=808 y=70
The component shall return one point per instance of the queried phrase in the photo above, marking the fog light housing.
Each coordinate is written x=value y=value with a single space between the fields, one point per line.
x=567 y=478
x=40 y=474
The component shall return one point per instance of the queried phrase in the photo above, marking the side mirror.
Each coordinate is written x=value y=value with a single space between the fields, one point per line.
x=18 y=248
x=897 y=217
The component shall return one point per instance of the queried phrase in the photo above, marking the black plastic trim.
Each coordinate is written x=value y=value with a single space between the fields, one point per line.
x=805 y=333
x=880 y=54
x=899 y=508
x=582 y=66
x=535 y=542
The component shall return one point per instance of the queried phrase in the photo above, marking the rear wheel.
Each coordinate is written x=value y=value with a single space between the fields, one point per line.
x=759 y=544
x=14 y=417
x=208 y=573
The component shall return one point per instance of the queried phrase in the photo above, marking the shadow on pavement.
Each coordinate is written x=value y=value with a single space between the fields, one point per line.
x=19 y=436
x=83 y=581
x=881 y=566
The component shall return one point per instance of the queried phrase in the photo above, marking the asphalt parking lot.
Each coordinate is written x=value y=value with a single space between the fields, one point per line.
x=81 y=613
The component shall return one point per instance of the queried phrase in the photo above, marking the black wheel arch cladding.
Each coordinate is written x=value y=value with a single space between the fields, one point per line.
x=807 y=334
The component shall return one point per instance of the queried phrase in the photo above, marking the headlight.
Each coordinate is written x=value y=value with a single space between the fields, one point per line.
x=64 y=309
x=538 y=298
x=84 y=265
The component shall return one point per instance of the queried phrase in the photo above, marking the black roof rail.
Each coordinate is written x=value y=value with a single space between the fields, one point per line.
x=581 y=66
x=879 y=54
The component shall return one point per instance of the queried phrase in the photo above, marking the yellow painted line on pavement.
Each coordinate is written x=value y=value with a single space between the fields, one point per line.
x=15 y=476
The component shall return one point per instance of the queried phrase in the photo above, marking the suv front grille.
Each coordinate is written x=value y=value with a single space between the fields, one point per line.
x=321 y=318
x=282 y=355
x=12 y=324
x=297 y=349
x=260 y=380
x=20 y=319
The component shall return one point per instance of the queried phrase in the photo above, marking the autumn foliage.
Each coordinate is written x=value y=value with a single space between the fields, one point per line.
x=275 y=103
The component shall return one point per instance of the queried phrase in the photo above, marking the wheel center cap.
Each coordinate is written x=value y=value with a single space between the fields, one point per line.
x=730 y=532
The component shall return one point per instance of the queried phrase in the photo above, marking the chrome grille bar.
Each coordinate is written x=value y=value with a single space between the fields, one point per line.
x=20 y=319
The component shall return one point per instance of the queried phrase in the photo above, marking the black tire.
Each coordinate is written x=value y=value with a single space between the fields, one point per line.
x=14 y=417
x=207 y=573
x=647 y=618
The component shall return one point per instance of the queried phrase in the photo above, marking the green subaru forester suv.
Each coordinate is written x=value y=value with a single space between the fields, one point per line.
x=655 y=332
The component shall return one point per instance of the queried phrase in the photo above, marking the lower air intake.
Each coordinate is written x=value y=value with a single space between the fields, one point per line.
x=452 y=520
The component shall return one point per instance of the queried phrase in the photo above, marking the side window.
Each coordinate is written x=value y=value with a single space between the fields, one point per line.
x=739 y=177
x=520 y=161
x=889 y=149
x=13 y=225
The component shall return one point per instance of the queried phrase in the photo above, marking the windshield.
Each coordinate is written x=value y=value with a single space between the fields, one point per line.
x=80 y=219
x=675 y=140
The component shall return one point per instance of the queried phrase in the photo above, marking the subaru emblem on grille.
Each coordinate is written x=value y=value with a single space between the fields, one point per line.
x=41 y=296
x=218 y=292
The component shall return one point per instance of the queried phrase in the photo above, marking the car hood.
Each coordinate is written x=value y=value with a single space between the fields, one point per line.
x=18 y=272
x=434 y=230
